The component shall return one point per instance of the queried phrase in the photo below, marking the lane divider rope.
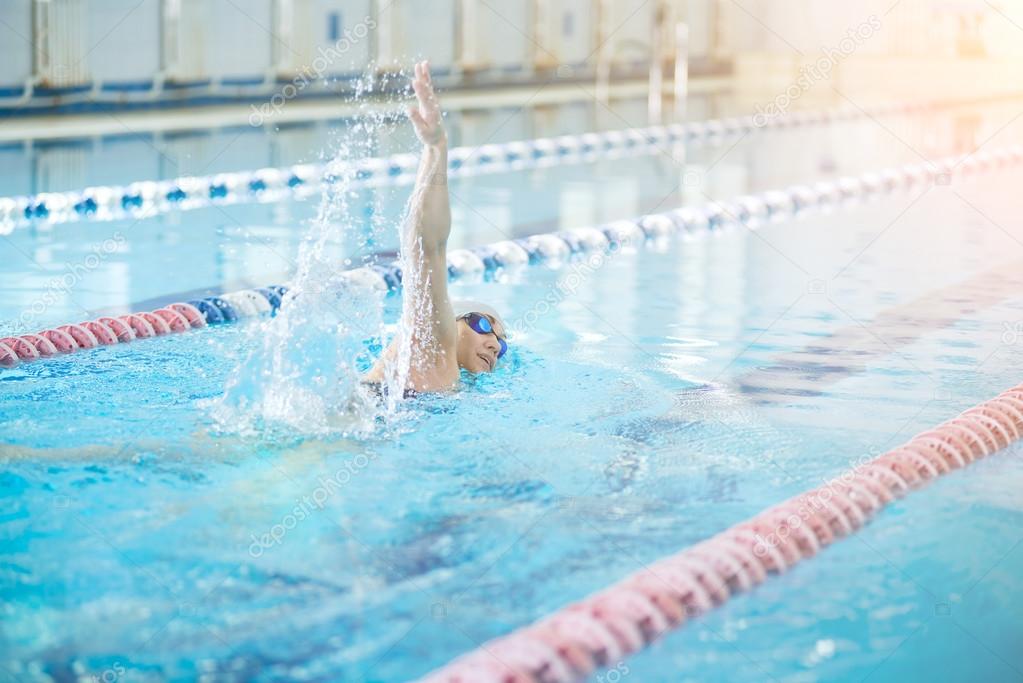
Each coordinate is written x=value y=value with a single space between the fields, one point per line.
x=144 y=199
x=750 y=211
x=605 y=627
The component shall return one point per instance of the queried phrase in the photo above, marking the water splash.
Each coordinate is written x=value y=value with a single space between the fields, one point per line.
x=300 y=371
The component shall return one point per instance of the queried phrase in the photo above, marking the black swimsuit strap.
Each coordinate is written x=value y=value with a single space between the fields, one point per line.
x=380 y=389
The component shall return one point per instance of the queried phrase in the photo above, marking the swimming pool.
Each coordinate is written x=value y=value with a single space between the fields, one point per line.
x=154 y=531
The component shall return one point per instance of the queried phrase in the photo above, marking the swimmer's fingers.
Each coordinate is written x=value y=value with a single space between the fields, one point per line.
x=422 y=70
x=425 y=117
x=422 y=90
x=424 y=93
x=417 y=120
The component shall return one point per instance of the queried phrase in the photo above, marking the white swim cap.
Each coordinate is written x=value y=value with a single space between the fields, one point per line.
x=466 y=306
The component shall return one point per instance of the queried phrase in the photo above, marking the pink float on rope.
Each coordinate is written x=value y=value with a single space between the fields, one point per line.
x=662 y=594
x=993 y=422
x=782 y=551
x=120 y=328
x=869 y=491
x=527 y=653
x=933 y=455
x=969 y=443
x=628 y=636
x=887 y=476
x=742 y=551
x=1005 y=417
x=834 y=519
x=845 y=512
x=1011 y=407
x=693 y=595
x=104 y=335
x=567 y=646
x=160 y=326
x=8 y=358
x=139 y=325
x=951 y=450
x=83 y=337
x=1013 y=397
x=23 y=349
x=43 y=345
x=192 y=314
x=64 y=342
x=769 y=556
x=902 y=466
x=723 y=564
x=812 y=521
x=982 y=441
x=174 y=320
x=592 y=635
x=883 y=491
x=702 y=572
x=802 y=539
x=632 y=606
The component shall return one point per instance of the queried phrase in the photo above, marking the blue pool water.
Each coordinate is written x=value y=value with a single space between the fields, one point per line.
x=151 y=531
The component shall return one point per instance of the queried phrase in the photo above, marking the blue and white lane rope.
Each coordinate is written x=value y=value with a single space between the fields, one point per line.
x=145 y=199
x=750 y=211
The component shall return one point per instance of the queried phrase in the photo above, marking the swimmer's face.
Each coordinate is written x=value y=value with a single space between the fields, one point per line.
x=478 y=352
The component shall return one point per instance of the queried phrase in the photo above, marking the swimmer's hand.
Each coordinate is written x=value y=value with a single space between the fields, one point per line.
x=425 y=115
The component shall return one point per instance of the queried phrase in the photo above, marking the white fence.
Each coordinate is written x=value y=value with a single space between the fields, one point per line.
x=55 y=52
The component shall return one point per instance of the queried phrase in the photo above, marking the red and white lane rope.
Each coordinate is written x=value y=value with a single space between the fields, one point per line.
x=105 y=331
x=607 y=626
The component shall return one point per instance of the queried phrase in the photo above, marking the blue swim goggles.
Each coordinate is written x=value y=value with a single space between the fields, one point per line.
x=480 y=324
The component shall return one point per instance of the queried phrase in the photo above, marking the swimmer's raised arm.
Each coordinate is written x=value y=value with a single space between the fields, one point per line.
x=425 y=237
x=441 y=345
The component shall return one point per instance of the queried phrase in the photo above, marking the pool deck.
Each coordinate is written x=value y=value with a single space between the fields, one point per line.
x=51 y=127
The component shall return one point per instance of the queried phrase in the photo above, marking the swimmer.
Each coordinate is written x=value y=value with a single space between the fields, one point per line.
x=446 y=336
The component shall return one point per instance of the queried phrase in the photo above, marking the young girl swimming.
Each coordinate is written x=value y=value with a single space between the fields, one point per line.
x=445 y=336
